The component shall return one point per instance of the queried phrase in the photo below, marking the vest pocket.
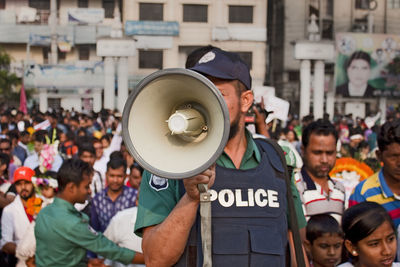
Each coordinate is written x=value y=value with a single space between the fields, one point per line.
x=230 y=246
x=242 y=245
x=266 y=247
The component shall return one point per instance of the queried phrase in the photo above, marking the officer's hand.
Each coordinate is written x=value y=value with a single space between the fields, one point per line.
x=206 y=177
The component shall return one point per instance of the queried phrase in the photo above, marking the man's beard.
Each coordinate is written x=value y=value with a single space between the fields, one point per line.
x=116 y=188
x=27 y=197
x=234 y=128
x=317 y=172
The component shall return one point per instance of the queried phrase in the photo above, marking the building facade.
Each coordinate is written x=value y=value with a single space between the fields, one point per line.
x=288 y=24
x=164 y=31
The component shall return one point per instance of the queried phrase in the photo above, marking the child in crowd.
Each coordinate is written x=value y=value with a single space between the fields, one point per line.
x=135 y=176
x=324 y=241
x=370 y=237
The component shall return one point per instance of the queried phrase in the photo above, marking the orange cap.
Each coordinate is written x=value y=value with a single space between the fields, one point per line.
x=23 y=173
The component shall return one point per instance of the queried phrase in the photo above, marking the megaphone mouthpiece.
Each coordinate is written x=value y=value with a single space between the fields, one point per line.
x=186 y=121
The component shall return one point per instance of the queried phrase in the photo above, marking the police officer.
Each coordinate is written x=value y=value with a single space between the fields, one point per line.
x=63 y=234
x=248 y=198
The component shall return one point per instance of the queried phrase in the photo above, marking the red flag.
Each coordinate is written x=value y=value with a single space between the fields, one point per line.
x=22 y=100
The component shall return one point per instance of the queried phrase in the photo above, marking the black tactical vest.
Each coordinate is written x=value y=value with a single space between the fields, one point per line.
x=249 y=223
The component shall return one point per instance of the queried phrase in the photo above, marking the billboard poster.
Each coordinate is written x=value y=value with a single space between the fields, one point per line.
x=163 y=28
x=81 y=75
x=86 y=15
x=367 y=65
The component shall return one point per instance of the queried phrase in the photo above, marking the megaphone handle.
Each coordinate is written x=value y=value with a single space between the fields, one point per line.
x=205 y=217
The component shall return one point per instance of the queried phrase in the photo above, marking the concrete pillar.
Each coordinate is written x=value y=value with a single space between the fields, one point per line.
x=305 y=86
x=109 y=83
x=122 y=83
x=53 y=21
x=382 y=108
x=96 y=100
x=330 y=104
x=43 y=100
x=318 y=96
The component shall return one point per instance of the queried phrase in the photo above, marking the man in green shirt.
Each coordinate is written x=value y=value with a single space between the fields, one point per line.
x=63 y=234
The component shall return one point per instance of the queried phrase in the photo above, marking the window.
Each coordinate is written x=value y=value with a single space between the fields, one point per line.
x=83 y=3
x=314 y=7
x=322 y=8
x=108 y=6
x=247 y=57
x=47 y=54
x=329 y=68
x=54 y=103
x=151 y=11
x=329 y=7
x=393 y=3
x=362 y=4
x=293 y=76
x=240 y=14
x=2 y=4
x=195 y=13
x=327 y=29
x=40 y=4
x=61 y=56
x=360 y=25
x=46 y=51
x=150 y=59
x=84 y=52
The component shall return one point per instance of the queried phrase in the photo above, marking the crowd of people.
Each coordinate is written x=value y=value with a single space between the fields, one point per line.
x=81 y=159
x=69 y=189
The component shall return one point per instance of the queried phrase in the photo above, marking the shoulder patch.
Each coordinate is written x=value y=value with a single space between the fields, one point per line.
x=158 y=183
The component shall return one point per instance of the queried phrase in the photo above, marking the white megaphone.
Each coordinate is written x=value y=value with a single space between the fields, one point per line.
x=175 y=123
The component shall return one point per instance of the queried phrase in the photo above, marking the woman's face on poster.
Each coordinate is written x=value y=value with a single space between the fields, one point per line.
x=358 y=72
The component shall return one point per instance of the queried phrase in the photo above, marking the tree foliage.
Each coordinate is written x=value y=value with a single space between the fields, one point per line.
x=8 y=80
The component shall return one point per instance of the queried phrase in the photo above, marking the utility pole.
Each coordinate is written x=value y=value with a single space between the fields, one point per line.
x=53 y=21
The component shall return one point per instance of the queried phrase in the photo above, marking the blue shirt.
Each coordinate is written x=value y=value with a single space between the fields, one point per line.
x=103 y=208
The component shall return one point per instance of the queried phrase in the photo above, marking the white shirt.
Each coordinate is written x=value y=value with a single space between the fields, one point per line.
x=14 y=223
x=348 y=264
x=357 y=91
x=120 y=231
x=26 y=248
x=33 y=162
x=100 y=165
